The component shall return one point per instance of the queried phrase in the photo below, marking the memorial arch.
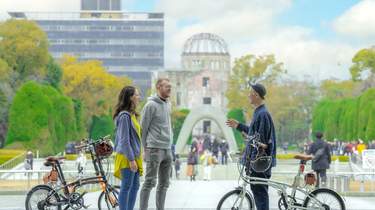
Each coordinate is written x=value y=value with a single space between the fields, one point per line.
x=200 y=113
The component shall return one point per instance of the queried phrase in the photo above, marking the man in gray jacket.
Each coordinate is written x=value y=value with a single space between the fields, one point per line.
x=156 y=139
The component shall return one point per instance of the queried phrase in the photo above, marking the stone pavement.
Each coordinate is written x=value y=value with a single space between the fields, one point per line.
x=190 y=195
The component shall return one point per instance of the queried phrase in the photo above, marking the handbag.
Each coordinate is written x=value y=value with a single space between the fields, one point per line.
x=318 y=154
x=51 y=177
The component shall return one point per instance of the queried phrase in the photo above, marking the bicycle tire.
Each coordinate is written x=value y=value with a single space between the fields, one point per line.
x=236 y=192
x=34 y=190
x=103 y=195
x=282 y=202
x=334 y=194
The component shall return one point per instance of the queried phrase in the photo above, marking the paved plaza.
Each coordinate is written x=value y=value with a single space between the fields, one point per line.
x=190 y=195
x=184 y=194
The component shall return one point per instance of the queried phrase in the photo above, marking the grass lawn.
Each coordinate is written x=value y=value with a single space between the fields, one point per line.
x=7 y=154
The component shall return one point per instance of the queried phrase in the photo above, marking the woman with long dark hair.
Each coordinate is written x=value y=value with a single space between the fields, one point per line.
x=128 y=148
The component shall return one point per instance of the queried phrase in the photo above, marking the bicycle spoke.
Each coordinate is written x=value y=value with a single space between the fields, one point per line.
x=39 y=196
x=328 y=201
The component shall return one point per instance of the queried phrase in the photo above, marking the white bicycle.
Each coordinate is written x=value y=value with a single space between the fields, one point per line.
x=302 y=195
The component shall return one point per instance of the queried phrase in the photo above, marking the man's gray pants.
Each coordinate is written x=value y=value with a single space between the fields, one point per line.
x=158 y=165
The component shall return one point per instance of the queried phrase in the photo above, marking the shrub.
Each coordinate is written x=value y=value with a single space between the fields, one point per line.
x=238 y=115
x=41 y=118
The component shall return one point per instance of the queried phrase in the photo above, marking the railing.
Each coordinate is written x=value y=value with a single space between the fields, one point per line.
x=343 y=182
x=13 y=162
x=24 y=180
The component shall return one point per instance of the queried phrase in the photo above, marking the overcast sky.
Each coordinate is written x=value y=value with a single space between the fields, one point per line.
x=311 y=37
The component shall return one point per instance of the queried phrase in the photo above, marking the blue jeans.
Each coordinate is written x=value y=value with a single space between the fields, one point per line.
x=129 y=189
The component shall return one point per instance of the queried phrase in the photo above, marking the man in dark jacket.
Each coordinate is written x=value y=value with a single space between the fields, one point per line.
x=261 y=124
x=322 y=158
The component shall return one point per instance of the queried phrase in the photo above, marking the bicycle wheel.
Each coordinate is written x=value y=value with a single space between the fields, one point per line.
x=36 y=199
x=234 y=201
x=105 y=198
x=282 y=203
x=330 y=200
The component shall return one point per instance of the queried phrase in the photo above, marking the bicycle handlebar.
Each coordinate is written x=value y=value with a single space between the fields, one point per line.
x=88 y=142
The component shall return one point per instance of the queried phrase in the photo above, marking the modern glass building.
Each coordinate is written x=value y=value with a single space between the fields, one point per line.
x=101 y=5
x=130 y=44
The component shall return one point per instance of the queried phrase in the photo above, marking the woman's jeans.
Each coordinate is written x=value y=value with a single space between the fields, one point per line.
x=129 y=189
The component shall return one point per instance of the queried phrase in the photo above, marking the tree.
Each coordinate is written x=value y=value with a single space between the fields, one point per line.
x=4 y=71
x=178 y=119
x=289 y=101
x=23 y=57
x=238 y=115
x=24 y=47
x=346 y=119
x=4 y=88
x=41 y=118
x=101 y=126
x=363 y=64
x=54 y=74
x=89 y=82
x=335 y=89
x=251 y=68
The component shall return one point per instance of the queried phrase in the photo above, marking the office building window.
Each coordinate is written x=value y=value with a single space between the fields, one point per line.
x=207 y=100
x=104 y=5
x=205 y=81
x=206 y=126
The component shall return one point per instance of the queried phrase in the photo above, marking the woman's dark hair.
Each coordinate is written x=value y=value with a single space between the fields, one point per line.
x=124 y=101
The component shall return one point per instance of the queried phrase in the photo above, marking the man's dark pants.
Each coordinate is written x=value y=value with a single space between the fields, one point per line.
x=321 y=177
x=260 y=192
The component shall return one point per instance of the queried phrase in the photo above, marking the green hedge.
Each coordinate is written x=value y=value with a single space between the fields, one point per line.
x=178 y=119
x=101 y=126
x=290 y=156
x=346 y=119
x=41 y=118
x=238 y=115
x=341 y=158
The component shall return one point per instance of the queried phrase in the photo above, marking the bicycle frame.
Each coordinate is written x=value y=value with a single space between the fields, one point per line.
x=280 y=187
x=69 y=188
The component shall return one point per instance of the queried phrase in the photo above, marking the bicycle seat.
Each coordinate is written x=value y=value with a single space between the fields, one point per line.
x=303 y=157
x=51 y=160
x=54 y=158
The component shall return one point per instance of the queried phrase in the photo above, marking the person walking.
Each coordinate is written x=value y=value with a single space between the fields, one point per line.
x=207 y=161
x=361 y=146
x=177 y=166
x=263 y=125
x=30 y=159
x=157 y=139
x=28 y=163
x=322 y=158
x=192 y=162
x=224 y=149
x=215 y=147
x=128 y=147
x=81 y=163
